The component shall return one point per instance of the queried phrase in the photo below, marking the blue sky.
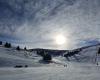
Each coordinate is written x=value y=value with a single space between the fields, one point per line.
x=35 y=23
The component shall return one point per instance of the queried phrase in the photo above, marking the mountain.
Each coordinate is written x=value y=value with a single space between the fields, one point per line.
x=83 y=68
x=50 y=51
x=11 y=57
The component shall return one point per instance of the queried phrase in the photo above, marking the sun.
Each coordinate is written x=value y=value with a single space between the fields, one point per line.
x=60 y=39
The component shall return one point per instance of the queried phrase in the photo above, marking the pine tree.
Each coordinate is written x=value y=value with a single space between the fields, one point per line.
x=18 y=48
x=0 y=42
x=25 y=48
x=99 y=51
x=7 y=45
x=47 y=57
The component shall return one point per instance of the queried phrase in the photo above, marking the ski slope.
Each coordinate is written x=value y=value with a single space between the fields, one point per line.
x=84 y=68
x=86 y=72
x=10 y=57
x=87 y=55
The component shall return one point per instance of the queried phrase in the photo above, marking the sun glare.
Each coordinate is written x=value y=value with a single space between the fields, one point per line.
x=60 y=39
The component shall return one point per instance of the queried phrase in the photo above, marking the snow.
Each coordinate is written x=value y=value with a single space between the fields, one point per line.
x=83 y=69
x=10 y=57
x=51 y=73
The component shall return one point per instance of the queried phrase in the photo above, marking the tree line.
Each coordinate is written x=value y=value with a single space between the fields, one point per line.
x=9 y=45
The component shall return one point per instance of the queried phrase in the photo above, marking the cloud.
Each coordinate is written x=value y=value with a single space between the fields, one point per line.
x=39 y=21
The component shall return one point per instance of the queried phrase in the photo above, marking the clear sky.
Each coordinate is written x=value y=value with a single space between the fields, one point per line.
x=55 y=24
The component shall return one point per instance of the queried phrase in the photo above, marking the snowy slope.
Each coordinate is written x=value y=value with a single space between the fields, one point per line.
x=11 y=57
x=84 y=69
x=87 y=55
x=85 y=72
